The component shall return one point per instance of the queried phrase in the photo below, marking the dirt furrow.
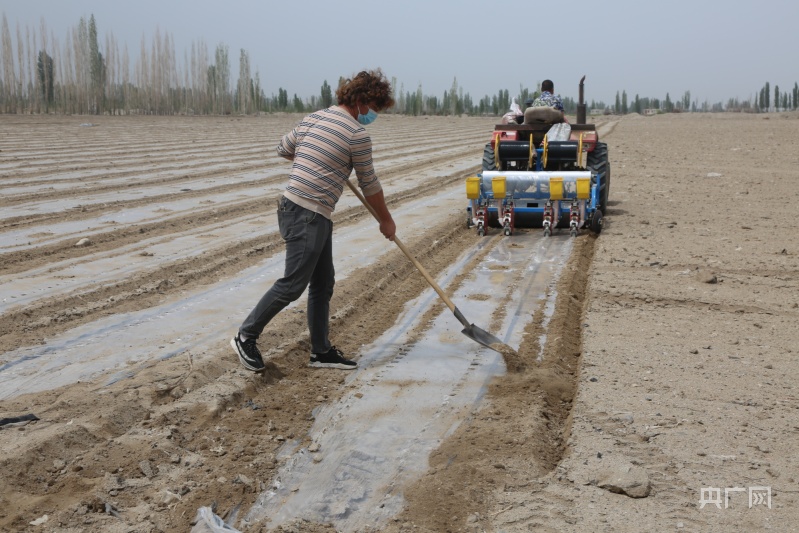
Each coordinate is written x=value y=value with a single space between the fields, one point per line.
x=184 y=394
x=96 y=174
x=21 y=260
x=522 y=427
x=90 y=209
x=61 y=153
x=53 y=315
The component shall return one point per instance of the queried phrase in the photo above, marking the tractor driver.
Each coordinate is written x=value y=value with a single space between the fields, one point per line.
x=547 y=98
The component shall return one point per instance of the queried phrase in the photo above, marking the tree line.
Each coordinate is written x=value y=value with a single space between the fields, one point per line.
x=760 y=102
x=82 y=75
x=79 y=76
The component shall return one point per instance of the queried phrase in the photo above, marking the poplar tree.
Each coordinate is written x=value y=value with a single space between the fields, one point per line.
x=222 y=83
x=282 y=99
x=66 y=73
x=297 y=104
x=327 y=95
x=213 y=93
x=767 y=94
x=112 y=93
x=200 y=86
x=82 y=66
x=21 y=79
x=244 y=83
x=401 y=103
x=257 y=98
x=467 y=103
x=45 y=70
x=453 y=97
x=96 y=69
x=7 y=84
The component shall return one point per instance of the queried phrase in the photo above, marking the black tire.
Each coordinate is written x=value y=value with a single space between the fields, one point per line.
x=596 y=222
x=488 y=158
x=598 y=162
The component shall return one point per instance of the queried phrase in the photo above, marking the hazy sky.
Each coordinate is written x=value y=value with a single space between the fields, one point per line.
x=717 y=49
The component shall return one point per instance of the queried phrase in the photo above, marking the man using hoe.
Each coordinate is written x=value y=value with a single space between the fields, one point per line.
x=324 y=149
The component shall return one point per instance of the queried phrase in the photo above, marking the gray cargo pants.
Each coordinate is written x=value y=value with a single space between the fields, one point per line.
x=309 y=263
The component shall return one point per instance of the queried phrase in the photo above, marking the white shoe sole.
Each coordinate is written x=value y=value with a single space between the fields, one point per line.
x=341 y=366
x=243 y=361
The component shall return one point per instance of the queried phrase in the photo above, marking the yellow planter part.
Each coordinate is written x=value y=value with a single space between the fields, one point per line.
x=556 y=188
x=583 y=188
x=498 y=186
x=473 y=187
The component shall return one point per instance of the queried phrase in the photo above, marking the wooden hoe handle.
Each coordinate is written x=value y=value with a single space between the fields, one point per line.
x=407 y=253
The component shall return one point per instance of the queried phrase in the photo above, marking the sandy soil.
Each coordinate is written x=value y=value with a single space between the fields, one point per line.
x=668 y=363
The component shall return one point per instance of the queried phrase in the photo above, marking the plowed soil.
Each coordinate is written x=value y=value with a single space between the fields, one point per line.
x=668 y=355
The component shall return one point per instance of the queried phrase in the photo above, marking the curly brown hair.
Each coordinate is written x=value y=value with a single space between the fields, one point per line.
x=366 y=86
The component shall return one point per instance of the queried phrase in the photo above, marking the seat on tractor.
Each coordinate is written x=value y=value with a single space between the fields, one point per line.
x=542 y=115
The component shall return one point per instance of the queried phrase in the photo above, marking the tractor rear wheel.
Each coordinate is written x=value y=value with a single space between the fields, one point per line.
x=598 y=162
x=488 y=158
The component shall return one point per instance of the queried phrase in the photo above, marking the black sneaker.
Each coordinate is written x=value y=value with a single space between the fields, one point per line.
x=333 y=358
x=248 y=353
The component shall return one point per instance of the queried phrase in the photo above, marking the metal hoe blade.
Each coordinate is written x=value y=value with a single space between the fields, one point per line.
x=477 y=334
x=483 y=337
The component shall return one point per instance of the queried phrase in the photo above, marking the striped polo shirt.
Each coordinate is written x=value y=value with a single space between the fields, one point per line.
x=325 y=147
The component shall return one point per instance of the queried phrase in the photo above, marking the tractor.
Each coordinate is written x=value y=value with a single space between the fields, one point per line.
x=542 y=172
